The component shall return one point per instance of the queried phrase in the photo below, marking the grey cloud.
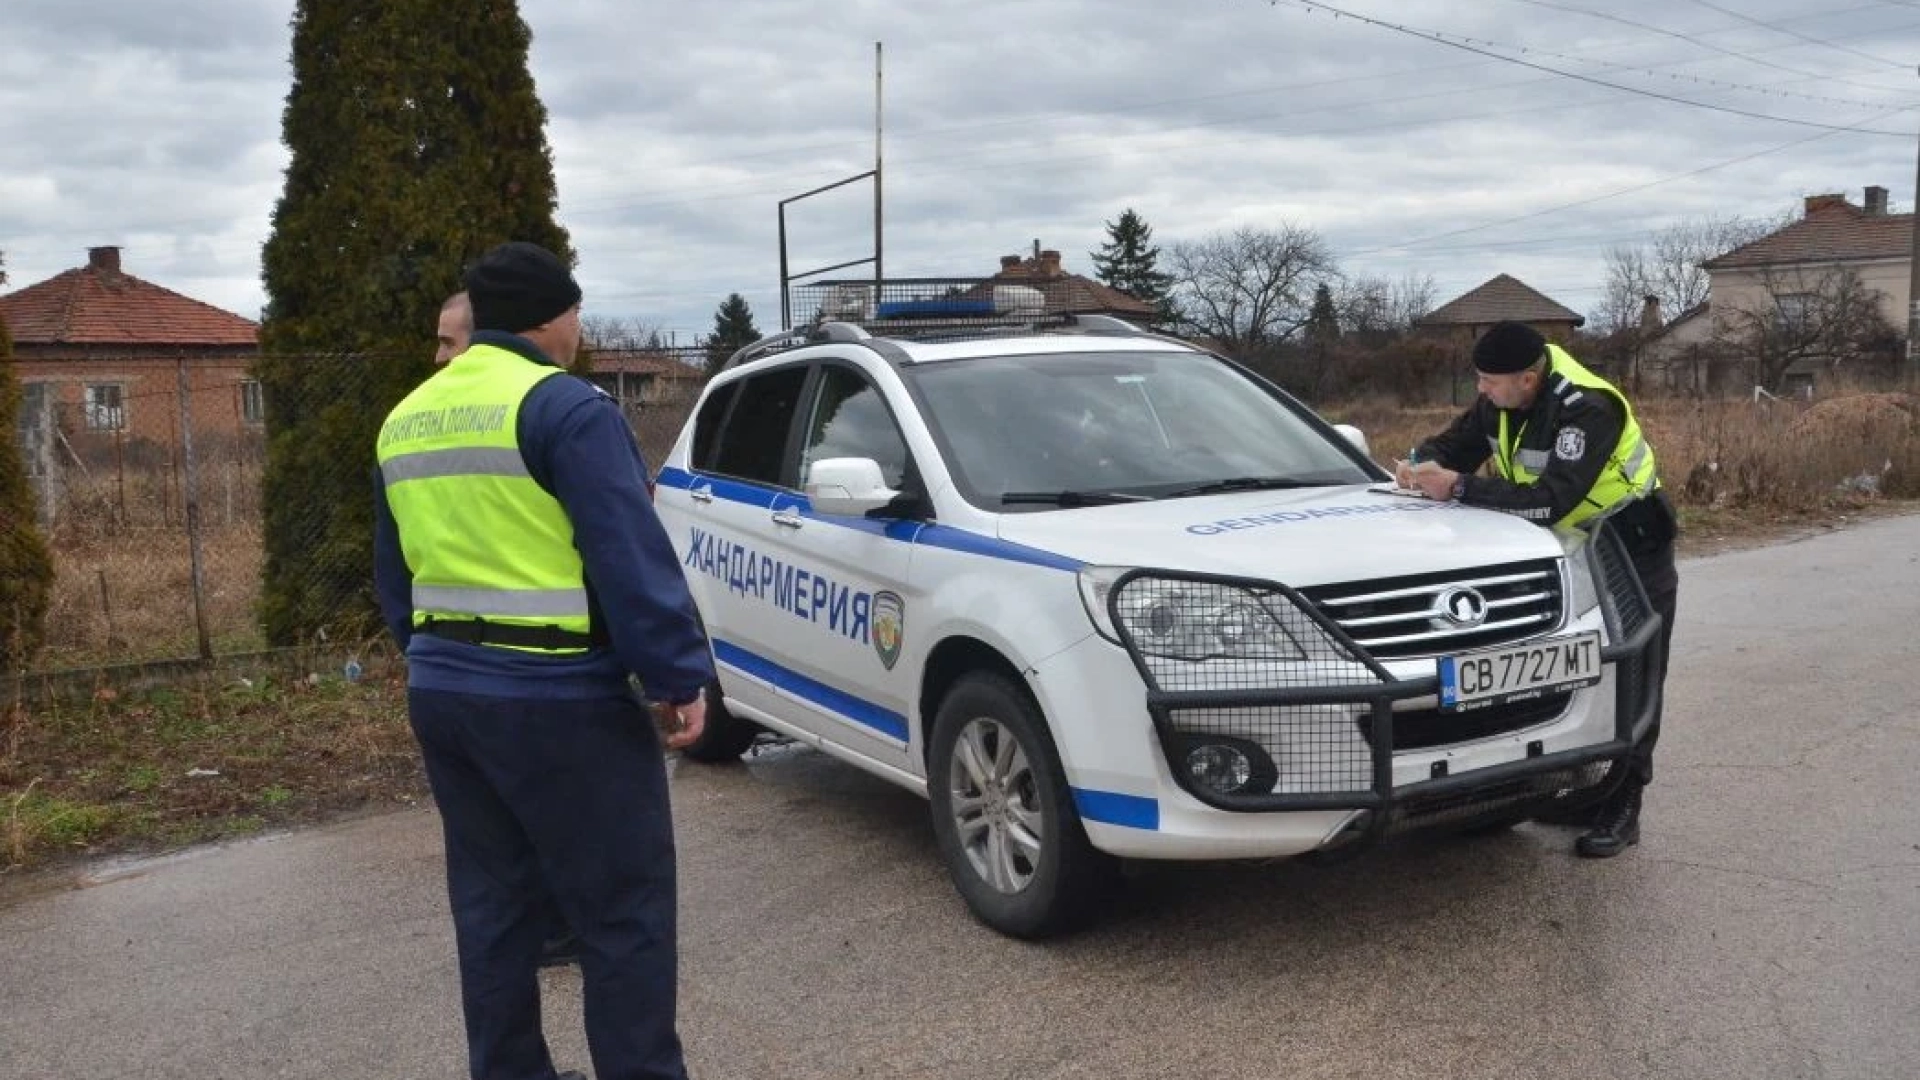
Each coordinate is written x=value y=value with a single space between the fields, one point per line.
x=677 y=127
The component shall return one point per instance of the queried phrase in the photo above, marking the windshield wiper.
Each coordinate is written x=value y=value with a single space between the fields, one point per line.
x=1245 y=483
x=1068 y=499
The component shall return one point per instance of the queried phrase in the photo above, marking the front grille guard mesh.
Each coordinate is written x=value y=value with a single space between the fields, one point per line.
x=1622 y=597
x=1301 y=691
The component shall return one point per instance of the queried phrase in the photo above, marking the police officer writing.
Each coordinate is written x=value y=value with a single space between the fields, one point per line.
x=519 y=562
x=1566 y=451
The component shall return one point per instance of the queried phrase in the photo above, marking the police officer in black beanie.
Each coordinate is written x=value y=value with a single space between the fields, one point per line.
x=519 y=562
x=1566 y=451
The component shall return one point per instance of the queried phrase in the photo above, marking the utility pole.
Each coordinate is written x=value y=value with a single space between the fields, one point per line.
x=1913 y=277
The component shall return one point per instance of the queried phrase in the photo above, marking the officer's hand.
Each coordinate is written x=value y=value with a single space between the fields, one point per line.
x=682 y=724
x=1403 y=474
x=1434 y=482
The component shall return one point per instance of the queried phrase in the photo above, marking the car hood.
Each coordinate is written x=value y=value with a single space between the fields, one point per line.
x=1311 y=536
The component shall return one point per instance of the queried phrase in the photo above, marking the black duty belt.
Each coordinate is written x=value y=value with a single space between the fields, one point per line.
x=481 y=632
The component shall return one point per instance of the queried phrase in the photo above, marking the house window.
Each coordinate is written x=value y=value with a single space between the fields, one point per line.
x=253 y=402
x=106 y=408
x=1792 y=310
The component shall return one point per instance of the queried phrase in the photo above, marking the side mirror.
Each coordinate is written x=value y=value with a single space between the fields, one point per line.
x=1355 y=436
x=847 y=487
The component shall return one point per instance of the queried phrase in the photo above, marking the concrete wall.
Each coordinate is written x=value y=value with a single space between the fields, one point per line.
x=1735 y=290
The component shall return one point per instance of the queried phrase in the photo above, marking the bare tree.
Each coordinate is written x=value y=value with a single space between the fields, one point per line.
x=603 y=332
x=1668 y=267
x=1251 y=289
x=1377 y=309
x=1827 y=316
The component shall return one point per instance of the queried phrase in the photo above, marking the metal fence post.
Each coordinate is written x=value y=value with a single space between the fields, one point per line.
x=191 y=499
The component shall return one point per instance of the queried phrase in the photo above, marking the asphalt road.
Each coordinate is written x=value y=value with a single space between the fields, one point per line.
x=1768 y=926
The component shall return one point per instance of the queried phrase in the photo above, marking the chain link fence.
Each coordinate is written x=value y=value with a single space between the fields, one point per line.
x=149 y=485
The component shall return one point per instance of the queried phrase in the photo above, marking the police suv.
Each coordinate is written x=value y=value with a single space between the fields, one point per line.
x=1101 y=594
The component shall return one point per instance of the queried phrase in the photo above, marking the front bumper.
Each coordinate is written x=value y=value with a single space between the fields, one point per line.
x=1332 y=730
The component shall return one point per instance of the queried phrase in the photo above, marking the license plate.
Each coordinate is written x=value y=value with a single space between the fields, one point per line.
x=1517 y=672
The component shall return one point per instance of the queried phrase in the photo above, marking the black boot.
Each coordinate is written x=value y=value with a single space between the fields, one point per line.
x=1617 y=828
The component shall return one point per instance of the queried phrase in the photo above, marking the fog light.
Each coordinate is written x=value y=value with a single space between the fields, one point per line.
x=1219 y=767
x=1222 y=765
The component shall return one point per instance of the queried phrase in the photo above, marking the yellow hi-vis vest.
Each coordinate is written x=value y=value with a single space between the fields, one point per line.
x=1630 y=472
x=483 y=539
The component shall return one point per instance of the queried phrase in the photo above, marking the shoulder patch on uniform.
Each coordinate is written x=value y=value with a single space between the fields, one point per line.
x=1571 y=445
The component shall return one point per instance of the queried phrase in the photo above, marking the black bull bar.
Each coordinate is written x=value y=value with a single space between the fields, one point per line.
x=1513 y=789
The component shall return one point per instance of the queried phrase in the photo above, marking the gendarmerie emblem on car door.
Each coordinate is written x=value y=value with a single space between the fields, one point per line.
x=889 y=626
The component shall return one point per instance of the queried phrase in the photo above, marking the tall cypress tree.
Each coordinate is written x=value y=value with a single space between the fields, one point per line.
x=1129 y=261
x=26 y=570
x=733 y=329
x=417 y=142
x=1323 y=319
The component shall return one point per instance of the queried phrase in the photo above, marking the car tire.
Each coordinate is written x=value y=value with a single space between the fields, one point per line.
x=726 y=736
x=1004 y=816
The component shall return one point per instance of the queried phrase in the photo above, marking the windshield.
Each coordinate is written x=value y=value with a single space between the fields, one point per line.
x=1084 y=428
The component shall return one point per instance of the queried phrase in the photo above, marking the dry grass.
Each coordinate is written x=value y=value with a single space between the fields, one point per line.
x=1783 y=458
x=209 y=757
x=129 y=596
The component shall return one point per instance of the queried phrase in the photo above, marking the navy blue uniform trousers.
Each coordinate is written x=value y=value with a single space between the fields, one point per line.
x=562 y=802
x=1662 y=581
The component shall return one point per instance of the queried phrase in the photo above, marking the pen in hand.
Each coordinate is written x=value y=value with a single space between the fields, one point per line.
x=1403 y=476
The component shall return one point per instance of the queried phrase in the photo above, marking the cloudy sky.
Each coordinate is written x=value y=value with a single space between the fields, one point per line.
x=1439 y=137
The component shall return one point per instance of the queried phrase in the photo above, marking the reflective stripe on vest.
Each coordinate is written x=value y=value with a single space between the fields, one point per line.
x=1630 y=472
x=482 y=538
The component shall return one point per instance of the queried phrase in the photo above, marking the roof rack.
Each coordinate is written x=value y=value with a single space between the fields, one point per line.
x=799 y=335
x=933 y=330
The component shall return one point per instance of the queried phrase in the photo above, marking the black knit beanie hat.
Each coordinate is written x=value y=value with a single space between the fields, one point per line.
x=519 y=286
x=1508 y=347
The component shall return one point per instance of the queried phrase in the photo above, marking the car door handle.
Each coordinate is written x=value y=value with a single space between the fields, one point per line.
x=787 y=519
x=701 y=495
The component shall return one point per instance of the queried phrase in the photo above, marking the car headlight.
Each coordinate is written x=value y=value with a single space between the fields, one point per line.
x=1188 y=620
x=1586 y=591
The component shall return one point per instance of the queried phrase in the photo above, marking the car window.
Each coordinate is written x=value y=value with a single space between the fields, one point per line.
x=1140 y=423
x=706 y=426
x=753 y=443
x=849 y=418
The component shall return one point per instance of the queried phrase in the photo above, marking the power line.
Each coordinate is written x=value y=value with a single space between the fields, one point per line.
x=669 y=196
x=1696 y=42
x=1616 y=194
x=1443 y=39
x=1778 y=29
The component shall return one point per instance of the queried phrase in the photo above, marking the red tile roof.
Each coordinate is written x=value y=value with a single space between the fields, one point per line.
x=98 y=304
x=1833 y=230
x=1066 y=292
x=641 y=362
x=1505 y=297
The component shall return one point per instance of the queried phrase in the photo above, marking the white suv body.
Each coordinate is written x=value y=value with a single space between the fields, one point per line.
x=871 y=524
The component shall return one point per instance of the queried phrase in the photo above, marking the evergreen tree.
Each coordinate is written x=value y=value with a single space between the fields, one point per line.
x=26 y=569
x=732 y=330
x=1129 y=261
x=1323 y=321
x=417 y=142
